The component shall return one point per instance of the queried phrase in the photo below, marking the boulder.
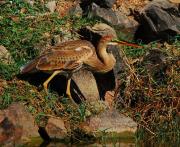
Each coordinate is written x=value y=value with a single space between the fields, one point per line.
x=86 y=85
x=160 y=19
x=17 y=125
x=110 y=122
x=104 y=14
x=56 y=128
x=125 y=26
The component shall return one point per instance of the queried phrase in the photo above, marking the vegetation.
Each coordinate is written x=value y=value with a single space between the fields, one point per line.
x=148 y=93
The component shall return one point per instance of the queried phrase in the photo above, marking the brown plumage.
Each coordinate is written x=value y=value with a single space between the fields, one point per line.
x=70 y=56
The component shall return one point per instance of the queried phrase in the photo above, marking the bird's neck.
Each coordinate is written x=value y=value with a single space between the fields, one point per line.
x=106 y=58
x=102 y=52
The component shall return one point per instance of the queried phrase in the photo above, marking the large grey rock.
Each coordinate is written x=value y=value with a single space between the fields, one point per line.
x=125 y=26
x=111 y=122
x=160 y=19
x=104 y=14
x=17 y=125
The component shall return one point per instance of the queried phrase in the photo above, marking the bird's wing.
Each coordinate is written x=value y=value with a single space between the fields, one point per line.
x=70 y=45
x=64 y=59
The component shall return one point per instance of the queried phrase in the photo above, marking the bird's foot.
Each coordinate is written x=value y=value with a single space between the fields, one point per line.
x=70 y=97
x=46 y=87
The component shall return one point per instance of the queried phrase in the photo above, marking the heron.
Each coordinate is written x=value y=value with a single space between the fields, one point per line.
x=70 y=56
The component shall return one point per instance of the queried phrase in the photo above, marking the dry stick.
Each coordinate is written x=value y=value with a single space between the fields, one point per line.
x=148 y=129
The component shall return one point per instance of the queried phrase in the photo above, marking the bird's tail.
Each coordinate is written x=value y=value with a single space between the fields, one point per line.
x=29 y=67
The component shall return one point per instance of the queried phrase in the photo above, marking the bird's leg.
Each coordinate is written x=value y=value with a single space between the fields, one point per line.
x=68 y=91
x=45 y=84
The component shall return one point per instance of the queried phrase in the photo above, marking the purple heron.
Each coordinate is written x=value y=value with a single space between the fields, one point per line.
x=68 y=57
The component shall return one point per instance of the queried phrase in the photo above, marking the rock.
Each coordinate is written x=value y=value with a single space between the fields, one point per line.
x=17 y=125
x=76 y=10
x=125 y=26
x=51 y=5
x=5 y=56
x=160 y=19
x=56 y=128
x=110 y=122
x=86 y=84
x=104 y=14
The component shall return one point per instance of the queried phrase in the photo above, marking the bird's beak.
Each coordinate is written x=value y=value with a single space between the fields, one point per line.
x=119 y=42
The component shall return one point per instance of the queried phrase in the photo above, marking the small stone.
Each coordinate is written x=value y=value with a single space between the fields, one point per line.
x=5 y=56
x=51 y=6
x=56 y=128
